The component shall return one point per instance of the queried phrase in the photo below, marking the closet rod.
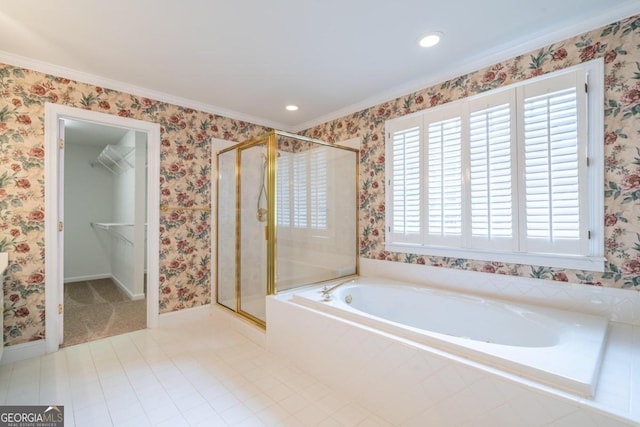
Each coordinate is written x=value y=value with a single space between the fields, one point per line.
x=165 y=208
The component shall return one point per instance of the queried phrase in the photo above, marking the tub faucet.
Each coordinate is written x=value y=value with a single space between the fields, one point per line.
x=326 y=292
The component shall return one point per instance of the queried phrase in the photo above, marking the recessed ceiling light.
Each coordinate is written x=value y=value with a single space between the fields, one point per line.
x=292 y=108
x=430 y=39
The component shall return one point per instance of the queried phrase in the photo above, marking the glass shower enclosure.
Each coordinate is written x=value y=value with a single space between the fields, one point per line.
x=287 y=216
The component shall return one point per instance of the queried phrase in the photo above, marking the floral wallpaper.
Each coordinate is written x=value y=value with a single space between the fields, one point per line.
x=185 y=242
x=619 y=45
x=186 y=176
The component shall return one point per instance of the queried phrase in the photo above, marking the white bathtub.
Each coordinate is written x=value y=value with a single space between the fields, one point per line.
x=559 y=348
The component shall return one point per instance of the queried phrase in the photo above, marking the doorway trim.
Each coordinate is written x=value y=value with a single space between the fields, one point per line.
x=53 y=262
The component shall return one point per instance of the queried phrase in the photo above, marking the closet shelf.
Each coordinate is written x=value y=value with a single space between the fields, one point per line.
x=109 y=225
x=111 y=228
x=114 y=158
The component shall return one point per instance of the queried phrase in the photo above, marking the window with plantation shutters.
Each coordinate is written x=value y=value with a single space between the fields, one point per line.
x=511 y=175
x=444 y=180
x=552 y=133
x=491 y=172
x=300 y=179
x=405 y=188
x=301 y=190
x=283 y=190
x=318 y=188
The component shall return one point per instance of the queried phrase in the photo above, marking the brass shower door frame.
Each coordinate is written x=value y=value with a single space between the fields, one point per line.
x=273 y=181
x=270 y=139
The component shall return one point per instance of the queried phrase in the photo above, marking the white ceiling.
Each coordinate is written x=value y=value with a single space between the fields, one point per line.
x=247 y=59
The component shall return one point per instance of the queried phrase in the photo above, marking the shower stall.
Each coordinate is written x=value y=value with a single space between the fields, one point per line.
x=287 y=216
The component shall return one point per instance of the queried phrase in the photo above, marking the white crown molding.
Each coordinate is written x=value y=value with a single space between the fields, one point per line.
x=81 y=76
x=498 y=54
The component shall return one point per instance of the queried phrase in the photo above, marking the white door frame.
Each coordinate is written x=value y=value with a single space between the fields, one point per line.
x=53 y=261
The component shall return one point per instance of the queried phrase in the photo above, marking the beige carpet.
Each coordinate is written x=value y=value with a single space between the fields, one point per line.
x=97 y=309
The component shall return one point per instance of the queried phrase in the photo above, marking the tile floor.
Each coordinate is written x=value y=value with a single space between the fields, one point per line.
x=189 y=373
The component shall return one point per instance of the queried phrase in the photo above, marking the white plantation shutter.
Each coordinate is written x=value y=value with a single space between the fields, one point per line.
x=491 y=173
x=300 y=190
x=503 y=176
x=444 y=181
x=302 y=201
x=552 y=133
x=405 y=212
x=283 y=190
x=318 y=188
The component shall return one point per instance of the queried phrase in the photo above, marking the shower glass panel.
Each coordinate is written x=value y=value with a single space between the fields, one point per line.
x=253 y=221
x=226 y=230
x=316 y=216
x=287 y=212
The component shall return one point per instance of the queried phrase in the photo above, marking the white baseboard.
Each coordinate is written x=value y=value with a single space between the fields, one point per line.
x=27 y=350
x=173 y=317
x=121 y=285
x=85 y=278
x=126 y=290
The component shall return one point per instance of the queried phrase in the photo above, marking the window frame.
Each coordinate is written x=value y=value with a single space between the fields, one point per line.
x=590 y=156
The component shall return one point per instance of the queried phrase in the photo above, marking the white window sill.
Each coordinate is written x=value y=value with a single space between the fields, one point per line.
x=546 y=260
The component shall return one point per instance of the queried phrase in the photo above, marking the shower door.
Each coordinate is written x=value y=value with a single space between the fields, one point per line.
x=226 y=229
x=242 y=229
x=252 y=205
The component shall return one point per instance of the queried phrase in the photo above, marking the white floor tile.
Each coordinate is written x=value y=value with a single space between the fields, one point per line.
x=223 y=402
x=273 y=415
x=236 y=414
x=161 y=413
x=165 y=377
x=122 y=415
x=93 y=415
x=188 y=402
x=176 y=421
x=252 y=421
x=133 y=421
x=351 y=415
x=199 y=413
x=294 y=404
x=311 y=415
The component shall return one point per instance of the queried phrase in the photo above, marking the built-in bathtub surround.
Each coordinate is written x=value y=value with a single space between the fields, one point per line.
x=185 y=180
x=417 y=382
x=618 y=45
x=559 y=348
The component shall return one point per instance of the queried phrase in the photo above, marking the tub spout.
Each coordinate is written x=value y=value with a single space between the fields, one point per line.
x=326 y=292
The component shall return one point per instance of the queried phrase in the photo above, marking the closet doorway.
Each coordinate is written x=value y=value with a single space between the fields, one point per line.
x=104 y=281
x=104 y=224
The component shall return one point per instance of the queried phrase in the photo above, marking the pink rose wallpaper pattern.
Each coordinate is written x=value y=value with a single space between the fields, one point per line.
x=619 y=46
x=185 y=246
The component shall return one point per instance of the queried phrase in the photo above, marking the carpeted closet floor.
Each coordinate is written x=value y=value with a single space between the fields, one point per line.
x=97 y=309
